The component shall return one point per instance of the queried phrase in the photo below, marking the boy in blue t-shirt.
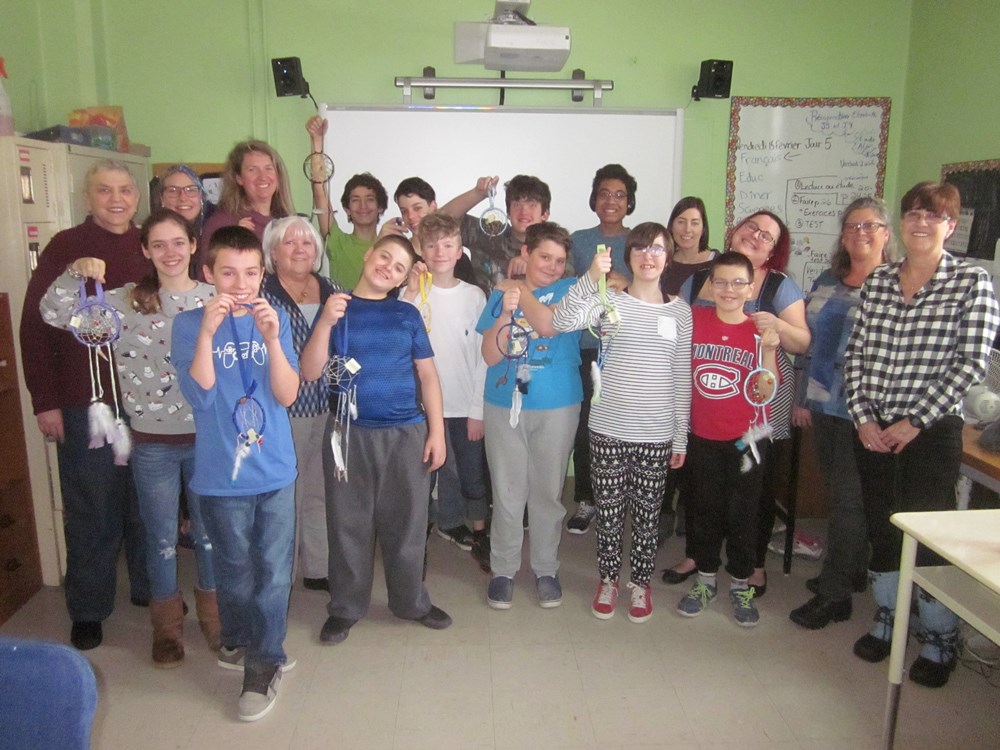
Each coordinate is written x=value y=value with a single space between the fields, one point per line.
x=236 y=365
x=386 y=443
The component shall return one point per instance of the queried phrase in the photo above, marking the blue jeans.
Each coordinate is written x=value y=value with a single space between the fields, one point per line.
x=462 y=479
x=159 y=470
x=100 y=510
x=252 y=540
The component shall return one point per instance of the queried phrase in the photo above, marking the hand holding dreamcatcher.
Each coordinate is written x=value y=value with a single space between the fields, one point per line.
x=759 y=389
x=341 y=373
x=494 y=220
x=248 y=415
x=96 y=325
x=607 y=320
x=513 y=340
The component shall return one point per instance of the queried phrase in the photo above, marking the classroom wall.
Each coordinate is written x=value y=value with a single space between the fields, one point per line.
x=195 y=76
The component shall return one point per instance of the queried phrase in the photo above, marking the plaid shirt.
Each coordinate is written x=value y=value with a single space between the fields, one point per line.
x=917 y=360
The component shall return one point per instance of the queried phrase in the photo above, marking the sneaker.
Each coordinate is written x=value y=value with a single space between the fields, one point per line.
x=500 y=592
x=580 y=522
x=641 y=608
x=481 y=550
x=235 y=659
x=744 y=611
x=86 y=635
x=697 y=599
x=549 y=591
x=260 y=691
x=459 y=535
x=605 y=600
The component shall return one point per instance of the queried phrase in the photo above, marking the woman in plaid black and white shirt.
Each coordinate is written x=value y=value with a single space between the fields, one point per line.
x=922 y=338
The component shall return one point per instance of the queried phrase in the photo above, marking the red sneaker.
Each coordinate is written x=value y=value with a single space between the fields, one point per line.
x=641 y=608
x=605 y=600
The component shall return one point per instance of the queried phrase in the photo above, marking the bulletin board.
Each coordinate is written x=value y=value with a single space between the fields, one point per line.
x=978 y=230
x=805 y=160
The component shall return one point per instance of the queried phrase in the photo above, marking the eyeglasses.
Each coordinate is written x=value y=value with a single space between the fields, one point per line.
x=868 y=227
x=737 y=285
x=918 y=214
x=173 y=190
x=618 y=195
x=756 y=230
x=655 y=250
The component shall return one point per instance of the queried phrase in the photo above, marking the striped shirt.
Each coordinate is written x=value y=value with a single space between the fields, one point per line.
x=646 y=377
x=918 y=359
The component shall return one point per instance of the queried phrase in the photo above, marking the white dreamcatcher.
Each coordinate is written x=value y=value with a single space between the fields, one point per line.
x=341 y=372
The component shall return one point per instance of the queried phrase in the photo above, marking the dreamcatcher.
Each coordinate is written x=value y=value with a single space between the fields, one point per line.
x=341 y=372
x=248 y=415
x=424 y=307
x=513 y=339
x=493 y=221
x=605 y=327
x=96 y=325
x=318 y=169
x=759 y=389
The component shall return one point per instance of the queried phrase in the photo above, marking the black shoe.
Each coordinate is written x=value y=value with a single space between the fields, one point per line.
x=859 y=583
x=335 y=629
x=436 y=619
x=872 y=649
x=932 y=674
x=481 y=549
x=459 y=535
x=672 y=576
x=139 y=601
x=819 y=612
x=316 y=584
x=86 y=635
x=759 y=589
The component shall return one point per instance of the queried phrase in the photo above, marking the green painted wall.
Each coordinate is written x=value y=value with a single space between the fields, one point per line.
x=194 y=76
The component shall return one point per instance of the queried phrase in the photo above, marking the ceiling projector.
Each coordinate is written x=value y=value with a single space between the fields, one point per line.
x=510 y=41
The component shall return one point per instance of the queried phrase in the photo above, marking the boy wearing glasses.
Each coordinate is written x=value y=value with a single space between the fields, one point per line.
x=725 y=479
x=612 y=198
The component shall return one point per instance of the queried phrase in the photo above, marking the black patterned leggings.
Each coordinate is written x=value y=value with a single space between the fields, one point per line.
x=627 y=477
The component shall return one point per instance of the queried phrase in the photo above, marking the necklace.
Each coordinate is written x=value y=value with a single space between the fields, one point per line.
x=300 y=297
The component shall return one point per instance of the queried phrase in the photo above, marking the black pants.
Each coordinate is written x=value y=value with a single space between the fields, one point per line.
x=583 y=487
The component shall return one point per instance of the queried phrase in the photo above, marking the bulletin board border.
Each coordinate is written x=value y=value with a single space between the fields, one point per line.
x=739 y=102
x=985 y=165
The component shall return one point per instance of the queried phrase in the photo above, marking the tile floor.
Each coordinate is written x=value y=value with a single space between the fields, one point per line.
x=529 y=677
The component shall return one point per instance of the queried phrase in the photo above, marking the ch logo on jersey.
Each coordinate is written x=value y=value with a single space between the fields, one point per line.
x=717 y=381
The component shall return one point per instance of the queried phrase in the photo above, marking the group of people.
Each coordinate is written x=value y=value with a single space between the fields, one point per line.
x=300 y=418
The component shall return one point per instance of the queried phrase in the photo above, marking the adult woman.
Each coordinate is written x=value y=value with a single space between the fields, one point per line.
x=292 y=258
x=161 y=424
x=181 y=191
x=98 y=496
x=254 y=190
x=778 y=304
x=922 y=339
x=865 y=242
x=688 y=226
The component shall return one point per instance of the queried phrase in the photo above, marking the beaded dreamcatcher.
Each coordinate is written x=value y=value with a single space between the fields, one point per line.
x=341 y=372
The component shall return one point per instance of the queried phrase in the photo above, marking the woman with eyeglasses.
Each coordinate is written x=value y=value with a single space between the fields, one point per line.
x=638 y=423
x=778 y=305
x=181 y=191
x=922 y=338
x=866 y=241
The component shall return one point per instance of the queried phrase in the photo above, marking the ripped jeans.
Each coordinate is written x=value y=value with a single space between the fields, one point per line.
x=159 y=469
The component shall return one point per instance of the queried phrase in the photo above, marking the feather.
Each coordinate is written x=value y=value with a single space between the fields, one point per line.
x=102 y=424
x=242 y=451
x=122 y=445
x=595 y=377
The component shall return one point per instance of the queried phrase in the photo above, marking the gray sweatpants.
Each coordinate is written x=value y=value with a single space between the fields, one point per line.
x=385 y=499
x=528 y=468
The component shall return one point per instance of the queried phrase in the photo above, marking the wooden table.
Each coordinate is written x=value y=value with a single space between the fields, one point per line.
x=978 y=465
x=970 y=586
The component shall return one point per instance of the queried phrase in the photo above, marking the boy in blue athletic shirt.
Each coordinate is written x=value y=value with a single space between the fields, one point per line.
x=378 y=482
x=236 y=365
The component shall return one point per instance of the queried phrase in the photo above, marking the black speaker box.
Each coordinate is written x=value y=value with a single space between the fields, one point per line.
x=288 y=80
x=715 y=80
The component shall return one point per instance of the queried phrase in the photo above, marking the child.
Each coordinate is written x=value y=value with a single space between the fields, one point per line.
x=638 y=424
x=533 y=394
x=378 y=482
x=233 y=354
x=452 y=309
x=725 y=478
x=162 y=425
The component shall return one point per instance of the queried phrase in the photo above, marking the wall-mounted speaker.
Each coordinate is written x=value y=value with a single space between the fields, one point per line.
x=288 y=80
x=715 y=80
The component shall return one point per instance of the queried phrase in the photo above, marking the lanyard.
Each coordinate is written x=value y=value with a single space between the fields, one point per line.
x=249 y=384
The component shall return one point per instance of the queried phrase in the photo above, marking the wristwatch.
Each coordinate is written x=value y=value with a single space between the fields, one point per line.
x=73 y=272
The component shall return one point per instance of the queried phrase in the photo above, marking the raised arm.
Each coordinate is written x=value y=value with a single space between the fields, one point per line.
x=462 y=204
x=317 y=126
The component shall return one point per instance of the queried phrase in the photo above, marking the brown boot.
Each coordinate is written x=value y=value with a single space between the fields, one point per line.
x=208 y=617
x=168 y=627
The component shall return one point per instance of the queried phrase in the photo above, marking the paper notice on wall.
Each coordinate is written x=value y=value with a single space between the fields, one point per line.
x=958 y=243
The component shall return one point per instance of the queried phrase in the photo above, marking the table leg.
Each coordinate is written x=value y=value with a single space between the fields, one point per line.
x=900 y=634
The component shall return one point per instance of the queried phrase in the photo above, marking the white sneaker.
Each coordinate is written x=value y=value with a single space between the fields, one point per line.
x=256 y=701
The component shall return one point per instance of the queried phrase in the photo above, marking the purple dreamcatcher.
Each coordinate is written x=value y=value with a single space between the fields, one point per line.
x=96 y=325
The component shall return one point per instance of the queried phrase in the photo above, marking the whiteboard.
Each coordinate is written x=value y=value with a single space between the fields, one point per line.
x=805 y=160
x=450 y=147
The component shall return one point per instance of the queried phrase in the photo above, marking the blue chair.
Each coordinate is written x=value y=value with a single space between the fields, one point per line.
x=48 y=695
